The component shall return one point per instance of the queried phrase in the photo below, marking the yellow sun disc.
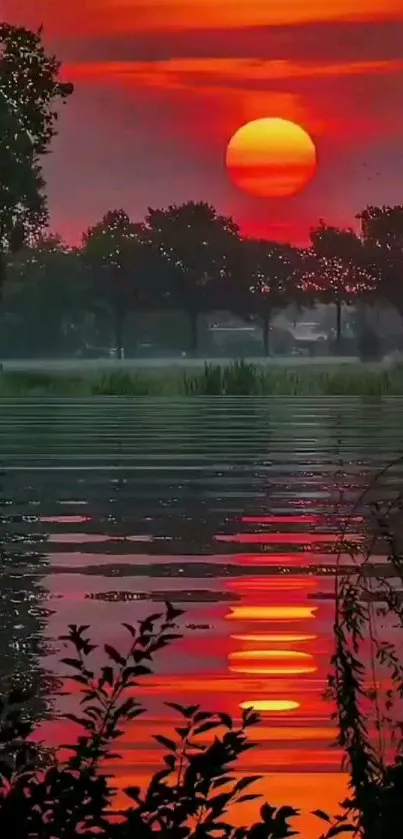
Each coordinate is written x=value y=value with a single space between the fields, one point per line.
x=271 y=157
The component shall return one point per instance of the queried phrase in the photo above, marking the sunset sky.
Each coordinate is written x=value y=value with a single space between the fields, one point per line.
x=161 y=86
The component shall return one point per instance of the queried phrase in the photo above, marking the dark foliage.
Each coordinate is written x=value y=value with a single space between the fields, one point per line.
x=382 y=234
x=366 y=682
x=200 y=252
x=29 y=90
x=43 y=796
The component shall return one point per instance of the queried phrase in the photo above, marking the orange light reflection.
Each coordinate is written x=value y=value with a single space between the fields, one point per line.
x=275 y=639
x=273 y=671
x=262 y=705
x=285 y=538
x=268 y=654
x=267 y=613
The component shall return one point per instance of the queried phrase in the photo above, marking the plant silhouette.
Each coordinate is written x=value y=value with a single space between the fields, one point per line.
x=46 y=796
x=43 y=795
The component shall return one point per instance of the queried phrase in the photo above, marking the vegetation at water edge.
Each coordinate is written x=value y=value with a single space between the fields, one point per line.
x=236 y=379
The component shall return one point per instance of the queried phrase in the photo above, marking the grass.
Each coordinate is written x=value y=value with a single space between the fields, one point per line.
x=237 y=379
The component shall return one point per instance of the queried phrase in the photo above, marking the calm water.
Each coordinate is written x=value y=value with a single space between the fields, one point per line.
x=229 y=507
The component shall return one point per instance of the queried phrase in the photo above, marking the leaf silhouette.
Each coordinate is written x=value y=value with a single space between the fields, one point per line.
x=114 y=654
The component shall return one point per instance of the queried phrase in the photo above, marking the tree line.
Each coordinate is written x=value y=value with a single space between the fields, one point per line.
x=189 y=258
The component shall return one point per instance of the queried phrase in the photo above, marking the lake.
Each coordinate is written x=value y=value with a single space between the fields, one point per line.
x=228 y=507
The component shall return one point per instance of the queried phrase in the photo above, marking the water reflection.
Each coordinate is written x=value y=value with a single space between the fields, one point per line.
x=230 y=508
x=262 y=705
x=271 y=613
x=24 y=608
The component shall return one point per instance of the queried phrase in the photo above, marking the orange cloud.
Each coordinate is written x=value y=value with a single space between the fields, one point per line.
x=125 y=16
x=182 y=14
x=186 y=72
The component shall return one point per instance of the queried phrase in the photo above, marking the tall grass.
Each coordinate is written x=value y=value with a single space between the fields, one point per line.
x=40 y=383
x=121 y=383
x=241 y=378
x=236 y=379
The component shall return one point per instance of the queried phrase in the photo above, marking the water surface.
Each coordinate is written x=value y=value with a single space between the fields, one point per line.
x=229 y=507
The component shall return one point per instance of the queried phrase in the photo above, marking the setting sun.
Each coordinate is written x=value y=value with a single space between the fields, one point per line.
x=271 y=158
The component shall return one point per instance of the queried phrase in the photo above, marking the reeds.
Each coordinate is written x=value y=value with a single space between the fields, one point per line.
x=40 y=383
x=121 y=383
x=239 y=378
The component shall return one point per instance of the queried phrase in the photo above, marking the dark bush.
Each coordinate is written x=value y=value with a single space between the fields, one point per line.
x=347 y=346
x=369 y=346
x=45 y=797
x=281 y=341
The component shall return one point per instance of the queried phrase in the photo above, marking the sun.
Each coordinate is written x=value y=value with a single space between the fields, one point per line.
x=271 y=157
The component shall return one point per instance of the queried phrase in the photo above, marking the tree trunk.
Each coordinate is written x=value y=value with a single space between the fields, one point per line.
x=338 y=324
x=2 y=281
x=2 y=272
x=119 y=323
x=361 y=318
x=266 y=334
x=194 y=333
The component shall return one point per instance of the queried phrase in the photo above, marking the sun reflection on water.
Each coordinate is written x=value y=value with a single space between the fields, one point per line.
x=267 y=613
x=261 y=705
x=268 y=638
x=273 y=653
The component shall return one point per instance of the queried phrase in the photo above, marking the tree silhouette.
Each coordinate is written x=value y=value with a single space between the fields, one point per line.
x=200 y=249
x=382 y=233
x=29 y=89
x=121 y=265
x=338 y=271
x=45 y=295
x=270 y=272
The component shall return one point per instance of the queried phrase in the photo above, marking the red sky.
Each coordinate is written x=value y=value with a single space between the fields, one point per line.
x=161 y=85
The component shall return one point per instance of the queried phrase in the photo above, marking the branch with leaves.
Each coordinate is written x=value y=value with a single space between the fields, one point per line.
x=191 y=797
